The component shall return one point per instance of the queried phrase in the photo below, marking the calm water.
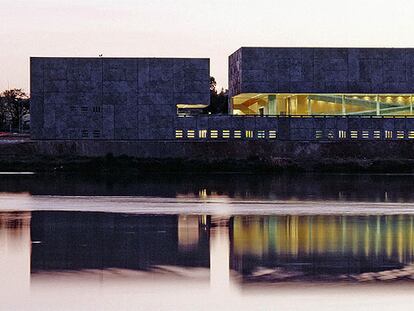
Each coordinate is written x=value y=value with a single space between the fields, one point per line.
x=239 y=242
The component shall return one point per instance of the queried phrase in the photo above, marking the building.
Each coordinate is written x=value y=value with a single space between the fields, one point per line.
x=114 y=99
x=303 y=94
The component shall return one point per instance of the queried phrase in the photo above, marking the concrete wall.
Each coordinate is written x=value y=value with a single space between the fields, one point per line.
x=321 y=70
x=113 y=98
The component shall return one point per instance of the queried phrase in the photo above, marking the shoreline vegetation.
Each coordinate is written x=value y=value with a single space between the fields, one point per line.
x=125 y=165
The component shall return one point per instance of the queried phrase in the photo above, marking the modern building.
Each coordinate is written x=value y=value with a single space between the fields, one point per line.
x=274 y=93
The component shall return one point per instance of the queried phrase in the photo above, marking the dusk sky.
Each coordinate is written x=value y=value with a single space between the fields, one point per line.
x=189 y=28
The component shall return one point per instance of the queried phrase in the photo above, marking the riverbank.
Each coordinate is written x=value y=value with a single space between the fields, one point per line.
x=140 y=157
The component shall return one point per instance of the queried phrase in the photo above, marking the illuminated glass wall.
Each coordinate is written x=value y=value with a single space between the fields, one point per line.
x=322 y=104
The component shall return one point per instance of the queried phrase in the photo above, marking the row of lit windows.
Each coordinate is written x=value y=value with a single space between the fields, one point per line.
x=365 y=134
x=215 y=134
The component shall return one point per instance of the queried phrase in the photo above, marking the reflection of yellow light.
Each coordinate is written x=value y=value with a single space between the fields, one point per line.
x=202 y=193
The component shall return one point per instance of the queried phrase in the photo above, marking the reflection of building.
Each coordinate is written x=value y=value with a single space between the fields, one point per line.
x=322 y=244
x=15 y=247
x=287 y=90
x=77 y=241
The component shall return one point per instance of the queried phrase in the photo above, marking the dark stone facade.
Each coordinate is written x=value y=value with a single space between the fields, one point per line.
x=113 y=98
x=321 y=70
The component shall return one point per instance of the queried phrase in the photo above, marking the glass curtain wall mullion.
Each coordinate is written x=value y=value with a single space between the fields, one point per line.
x=323 y=104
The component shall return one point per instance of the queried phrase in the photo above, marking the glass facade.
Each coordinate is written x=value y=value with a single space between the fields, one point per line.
x=322 y=104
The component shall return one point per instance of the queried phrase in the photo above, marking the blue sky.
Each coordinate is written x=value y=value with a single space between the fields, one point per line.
x=183 y=28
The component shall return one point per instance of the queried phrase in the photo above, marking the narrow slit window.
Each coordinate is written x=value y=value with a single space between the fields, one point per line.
x=178 y=133
x=342 y=134
x=272 y=134
x=249 y=134
x=202 y=134
x=410 y=134
x=261 y=134
x=226 y=133
x=400 y=134
x=190 y=133
x=214 y=134
x=365 y=134
x=354 y=134
x=237 y=134
x=318 y=134
x=388 y=134
x=377 y=134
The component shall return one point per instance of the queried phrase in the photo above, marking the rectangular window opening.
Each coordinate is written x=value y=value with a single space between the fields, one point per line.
x=261 y=134
x=249 y=134
x=388 y=134
x=377 y=134
x=318 y=134
x=237 y=134
x=272 y=134
x=342 y=134
x=400 y=134
x=202 y=134
x=190 y=133
x=226 y=133
x=179 y=134
x=214 y=134
x=354 y=134
x=365 y=134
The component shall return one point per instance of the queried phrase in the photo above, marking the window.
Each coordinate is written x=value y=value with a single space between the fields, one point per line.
x=377 y=134
x=237 y=134
x=365 y=134
x=96 y=133
x=388 y=134
x=331 y=134
x=178 y=133
x=85 y=134
x=342 y=134
x=249 y=134
x=261 y=134
x=226 y=134
x=354 y=134
x=400 y=134
x=202 y=134
x=214 y=134
x=84 y=109
x=272 y=134
x=411 y=134
x=73 y=108
x=318 y=134
x=96 y=109
x=190 y=133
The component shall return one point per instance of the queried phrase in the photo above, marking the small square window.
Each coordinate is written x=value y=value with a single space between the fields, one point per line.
x=179 y=134
x=400 y=134
x=261 y=134
x=237 y=134
x=272 y=134
x=388 y=134
x=214 y=134
x=318 y=134
x=354 y=134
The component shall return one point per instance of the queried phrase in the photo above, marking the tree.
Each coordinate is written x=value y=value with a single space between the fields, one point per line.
x=14 y=104
x=218 y=100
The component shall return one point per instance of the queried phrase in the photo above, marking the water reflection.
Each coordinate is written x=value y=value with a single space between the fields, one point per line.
x=372 y=188
x=290 y=248
x=267 y=249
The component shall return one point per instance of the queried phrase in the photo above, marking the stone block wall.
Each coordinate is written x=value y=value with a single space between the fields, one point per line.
x=113 y=98
x=321 y=70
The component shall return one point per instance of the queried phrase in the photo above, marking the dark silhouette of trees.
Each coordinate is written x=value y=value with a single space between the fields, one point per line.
x=218 y=100
x=14 y=104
